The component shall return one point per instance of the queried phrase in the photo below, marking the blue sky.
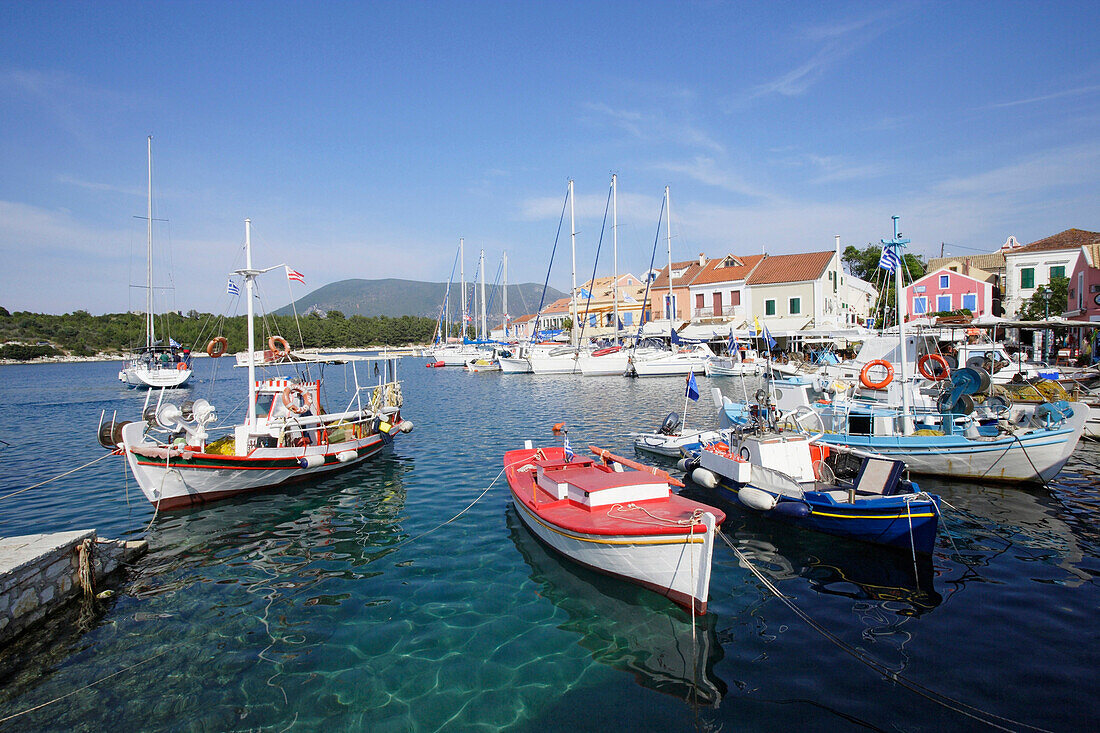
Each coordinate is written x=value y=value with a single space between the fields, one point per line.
x=363 y=139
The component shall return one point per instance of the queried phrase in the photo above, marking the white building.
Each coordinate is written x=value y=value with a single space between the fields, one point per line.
x=1031 y=267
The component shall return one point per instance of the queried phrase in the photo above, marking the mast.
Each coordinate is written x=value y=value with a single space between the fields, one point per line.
x=615 y=249
x=249 y=276
x=897 y=243
x=462 y=276
x=484 y=331
x=504 y=296
x=668 y=239
x=150 y=338
x=573 y=243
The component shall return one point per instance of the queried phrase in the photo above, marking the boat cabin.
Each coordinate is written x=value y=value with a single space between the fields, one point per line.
x=283 y=412
x=594 y=485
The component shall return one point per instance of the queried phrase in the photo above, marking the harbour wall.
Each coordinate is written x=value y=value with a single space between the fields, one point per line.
x=42 y=572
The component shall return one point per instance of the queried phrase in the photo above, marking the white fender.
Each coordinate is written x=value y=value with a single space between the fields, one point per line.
x=347 y=455
x=757 y=498
x=704 y=477
x=311 y=461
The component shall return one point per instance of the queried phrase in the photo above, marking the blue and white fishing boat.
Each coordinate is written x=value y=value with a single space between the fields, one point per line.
x=784 y=475
x=946 y=436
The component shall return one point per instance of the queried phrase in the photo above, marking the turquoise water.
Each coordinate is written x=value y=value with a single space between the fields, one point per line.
x=345 y=603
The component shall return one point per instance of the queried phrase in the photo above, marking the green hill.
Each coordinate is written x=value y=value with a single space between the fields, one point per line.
x=393 y=297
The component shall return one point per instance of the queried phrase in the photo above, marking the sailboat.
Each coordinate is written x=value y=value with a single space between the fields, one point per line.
x=154 y=365
x=180 y=455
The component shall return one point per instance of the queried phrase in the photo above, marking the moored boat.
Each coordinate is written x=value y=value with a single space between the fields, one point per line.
x=180 y=455
x=616 y=517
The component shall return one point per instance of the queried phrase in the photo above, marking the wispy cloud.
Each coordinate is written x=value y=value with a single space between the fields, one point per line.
x=837 y=40
x=655 y=127
x=1047 y=97
x=1048 y=169
x=835 y=169
x=101 y=186
x=706 y=170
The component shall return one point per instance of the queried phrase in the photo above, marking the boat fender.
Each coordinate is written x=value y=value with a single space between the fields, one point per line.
x=704 y=477
x=757 y=499
x=687 y=464
x=311 y=461
x=406 y=426
x=347 y=455
x=792 y=509
x=681 y=464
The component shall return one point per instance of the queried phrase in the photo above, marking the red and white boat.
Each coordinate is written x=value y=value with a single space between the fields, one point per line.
x=617 y=517
x=182 y=455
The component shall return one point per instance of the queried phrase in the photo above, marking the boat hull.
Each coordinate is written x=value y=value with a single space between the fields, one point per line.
x=514 y=365
x=1034 y=456
x=140 y=376
x=186 y=479
x=673 y=446
x=605 y=366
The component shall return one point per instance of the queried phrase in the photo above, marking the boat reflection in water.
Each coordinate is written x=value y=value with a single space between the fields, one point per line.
x=627 y=627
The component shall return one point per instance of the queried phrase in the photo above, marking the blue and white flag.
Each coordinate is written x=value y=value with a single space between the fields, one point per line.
x=692 y=388
x=889 y=260
x=585 y=293
x=628 y=299
x=733 y=344
x=173 y=343
x=568 y=449
x=232 y=288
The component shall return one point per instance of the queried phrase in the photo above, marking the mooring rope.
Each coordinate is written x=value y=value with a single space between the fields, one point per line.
x=466 y=509
x=939 y=698
x=85 y=687
x=55 y=478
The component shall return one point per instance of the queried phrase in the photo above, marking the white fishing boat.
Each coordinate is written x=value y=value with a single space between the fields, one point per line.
x=182 y=455
x=155 y=365
x=743 y=363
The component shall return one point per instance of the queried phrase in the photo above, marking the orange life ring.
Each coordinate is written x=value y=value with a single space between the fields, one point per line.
x=927 y=359
x=866 y=381
x=274 y=342
x=288 y=400
x=217 y=346
x=181 y=367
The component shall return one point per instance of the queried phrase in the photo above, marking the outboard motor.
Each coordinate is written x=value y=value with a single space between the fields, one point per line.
x=670 y=425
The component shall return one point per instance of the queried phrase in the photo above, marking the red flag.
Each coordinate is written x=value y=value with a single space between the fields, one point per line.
x=295 y=275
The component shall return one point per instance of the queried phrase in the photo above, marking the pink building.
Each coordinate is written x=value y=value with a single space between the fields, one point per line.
x=1083 y=292
x=947 y=290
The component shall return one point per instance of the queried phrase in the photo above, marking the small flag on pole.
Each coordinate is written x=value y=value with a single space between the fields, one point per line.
x=733 y=344
x=568 y=450
x=232 y=288
x=889 y=260
x=768 y=338
x=295 y=275
x=692 y=388
x=585 y=293
x=628 y=299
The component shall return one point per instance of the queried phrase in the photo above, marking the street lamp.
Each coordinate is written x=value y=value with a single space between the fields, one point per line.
x=1048 y=334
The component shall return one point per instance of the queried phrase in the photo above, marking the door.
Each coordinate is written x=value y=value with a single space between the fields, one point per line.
x=717 y=304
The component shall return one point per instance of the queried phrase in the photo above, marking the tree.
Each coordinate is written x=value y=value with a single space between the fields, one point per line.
x=1036 y=308
x=863 y=263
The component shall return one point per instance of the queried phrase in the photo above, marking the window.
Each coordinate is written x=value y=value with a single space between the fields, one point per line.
x=1080 y=290
x=920 y=306
x=1027 y=277
x=769 y=307
x=944 y=279
x=795 y=306
x=943 y=303
x=735 y=297
x=592 y=319
x=970 y=302
x=628 y=318
x=1057 y=271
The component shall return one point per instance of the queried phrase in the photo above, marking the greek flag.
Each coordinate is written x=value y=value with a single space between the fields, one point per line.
x=769 y=339
x=628 y=299
x=733 y=344
x=889 y=260
x=585 y=293
x=568 y=449
x=232 y=288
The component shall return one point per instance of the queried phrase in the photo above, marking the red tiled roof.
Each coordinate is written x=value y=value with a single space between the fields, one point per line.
x=714 y=272
x=560 y=305
x=790 y=268
x=1069 y=239
x=691 y=269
